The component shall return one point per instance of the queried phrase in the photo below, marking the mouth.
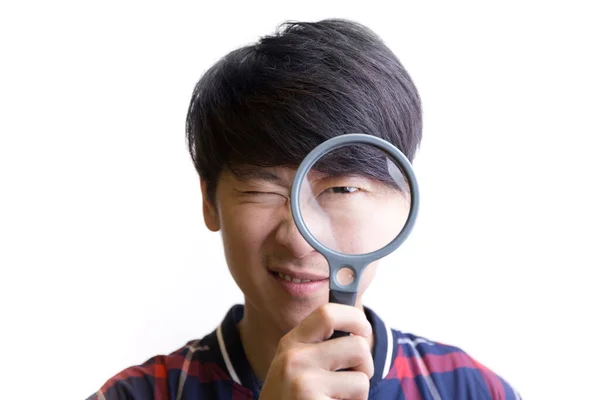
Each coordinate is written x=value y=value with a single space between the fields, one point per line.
x=301 y=284
x=294 y=279
x=298 y=277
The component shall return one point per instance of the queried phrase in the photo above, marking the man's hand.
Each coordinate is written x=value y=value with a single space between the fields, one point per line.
x=306 y=364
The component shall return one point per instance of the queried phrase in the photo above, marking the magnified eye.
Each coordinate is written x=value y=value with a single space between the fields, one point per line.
x=343 y=189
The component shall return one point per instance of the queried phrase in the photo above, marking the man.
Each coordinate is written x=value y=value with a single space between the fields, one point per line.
x=253 y=117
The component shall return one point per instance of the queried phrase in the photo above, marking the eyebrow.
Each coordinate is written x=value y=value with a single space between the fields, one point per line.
x=247 y=174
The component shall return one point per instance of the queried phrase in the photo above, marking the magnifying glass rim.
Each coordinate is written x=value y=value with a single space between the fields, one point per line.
x=354 y=260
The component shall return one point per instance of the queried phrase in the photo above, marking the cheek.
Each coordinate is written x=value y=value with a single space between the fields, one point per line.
x=384 y=222
x=244 y=231
x=367 y=277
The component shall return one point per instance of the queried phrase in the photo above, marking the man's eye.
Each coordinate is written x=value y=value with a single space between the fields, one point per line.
x=343 y=189
x=256 y=193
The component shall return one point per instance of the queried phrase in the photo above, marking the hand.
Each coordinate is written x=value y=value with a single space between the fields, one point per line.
x=306 y=365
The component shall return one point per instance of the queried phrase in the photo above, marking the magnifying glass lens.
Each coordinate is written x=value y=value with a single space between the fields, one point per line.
x=355 y=199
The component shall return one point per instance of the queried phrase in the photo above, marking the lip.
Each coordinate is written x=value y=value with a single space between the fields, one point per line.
x=302 y=275
x=318 y=284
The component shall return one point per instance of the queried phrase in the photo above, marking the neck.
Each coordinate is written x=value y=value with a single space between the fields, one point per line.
x=260 y=338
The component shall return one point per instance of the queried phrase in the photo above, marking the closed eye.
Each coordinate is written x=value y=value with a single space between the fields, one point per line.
x=256 y=192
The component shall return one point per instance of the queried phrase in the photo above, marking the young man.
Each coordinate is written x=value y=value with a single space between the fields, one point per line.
x=253 y=117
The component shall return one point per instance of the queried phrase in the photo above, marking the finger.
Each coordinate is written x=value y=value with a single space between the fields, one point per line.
x=350 y=385
x=350 y=352
x=321 y=323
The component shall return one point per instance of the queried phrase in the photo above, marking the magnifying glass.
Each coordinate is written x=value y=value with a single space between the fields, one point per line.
x=354 y=199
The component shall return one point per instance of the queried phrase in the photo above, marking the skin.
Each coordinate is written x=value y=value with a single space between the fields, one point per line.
x=259 y=235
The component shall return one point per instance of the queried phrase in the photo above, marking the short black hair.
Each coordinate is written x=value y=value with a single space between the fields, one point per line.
x=271 y=103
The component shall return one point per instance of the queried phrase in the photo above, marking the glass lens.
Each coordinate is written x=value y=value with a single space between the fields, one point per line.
x=355 y=199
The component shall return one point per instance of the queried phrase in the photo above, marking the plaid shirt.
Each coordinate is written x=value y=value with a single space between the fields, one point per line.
x=215 y=367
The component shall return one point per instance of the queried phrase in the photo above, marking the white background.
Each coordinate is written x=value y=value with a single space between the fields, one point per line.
x=104 y=257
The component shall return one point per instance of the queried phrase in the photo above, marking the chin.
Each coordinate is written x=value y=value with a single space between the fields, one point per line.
x=288 y=316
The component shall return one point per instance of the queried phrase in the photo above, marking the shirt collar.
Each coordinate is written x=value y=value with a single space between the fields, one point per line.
x=237 y=365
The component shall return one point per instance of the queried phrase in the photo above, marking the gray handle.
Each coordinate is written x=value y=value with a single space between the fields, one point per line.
x=339 y=297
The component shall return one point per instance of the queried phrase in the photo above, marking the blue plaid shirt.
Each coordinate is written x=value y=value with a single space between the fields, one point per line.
x=215 y=367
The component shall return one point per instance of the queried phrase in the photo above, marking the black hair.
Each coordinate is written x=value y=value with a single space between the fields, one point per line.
x=270 y=103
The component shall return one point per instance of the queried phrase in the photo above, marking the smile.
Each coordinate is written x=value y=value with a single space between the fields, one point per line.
x=290 y=279
x=301 y=284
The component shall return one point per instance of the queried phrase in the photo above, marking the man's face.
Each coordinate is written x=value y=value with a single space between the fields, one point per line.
x=282 y=277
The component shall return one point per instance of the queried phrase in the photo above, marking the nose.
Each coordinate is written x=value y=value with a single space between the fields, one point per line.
x=289 y=236
x=318 y=223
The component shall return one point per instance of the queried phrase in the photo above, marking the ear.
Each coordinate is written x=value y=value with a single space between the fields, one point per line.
x=209 y=210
